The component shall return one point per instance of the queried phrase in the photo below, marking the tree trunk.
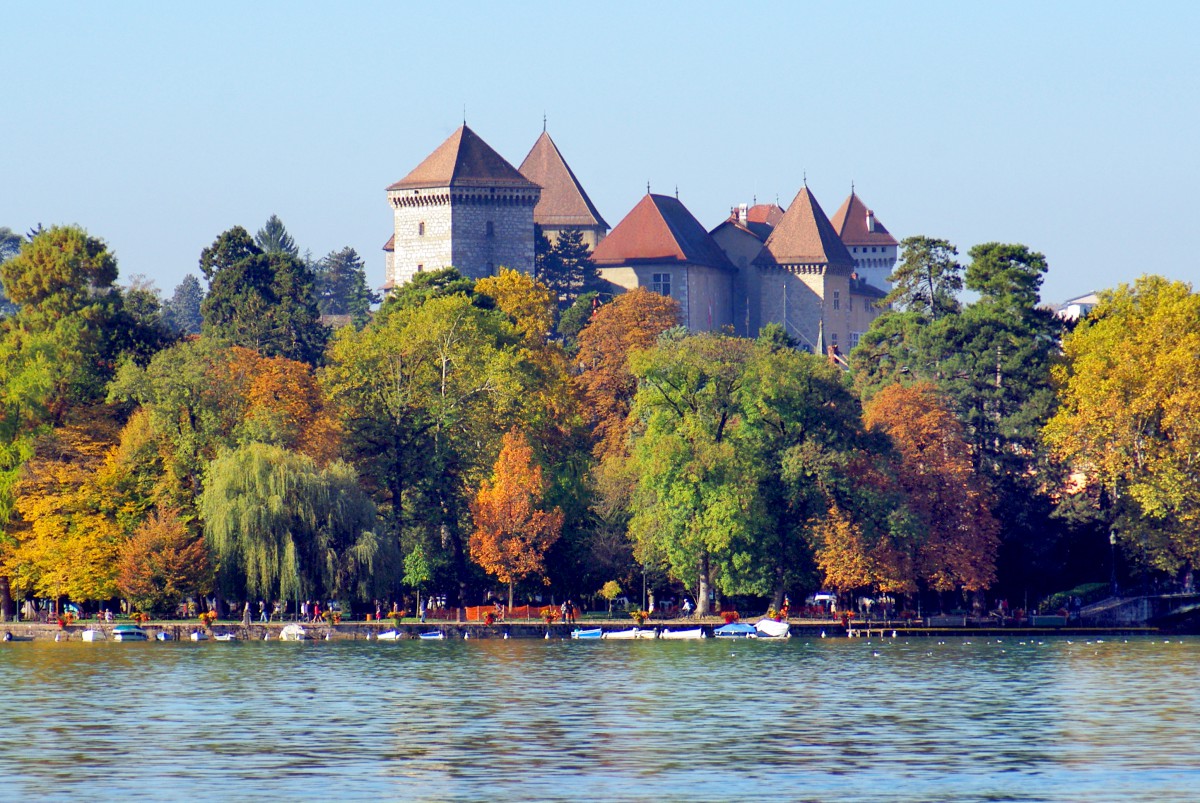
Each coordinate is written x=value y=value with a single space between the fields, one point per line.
x=510 y=594
x=7 y=606
x=702 y=608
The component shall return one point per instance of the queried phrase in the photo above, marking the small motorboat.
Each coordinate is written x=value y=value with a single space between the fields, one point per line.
x=694 y=633
x=593 y=632
x=292 y=632
x=225 y=637
x=735 y=630
x=436 y=635
x=163 y=635
x=388 y=635
x=198 y=635
x=634 y=633
x=769 y=628
x=128 y=633
x=91 y=634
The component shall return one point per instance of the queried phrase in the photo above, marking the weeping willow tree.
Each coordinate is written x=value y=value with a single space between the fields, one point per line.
x=281 y=527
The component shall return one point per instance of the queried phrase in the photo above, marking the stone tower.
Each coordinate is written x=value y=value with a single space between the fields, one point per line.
x=872 y=247
x=463 y=207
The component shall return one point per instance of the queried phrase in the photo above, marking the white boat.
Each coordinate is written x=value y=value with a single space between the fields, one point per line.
x=199 y=635
x=436 y=635
x=634 y=633
x=388 y=635
x=225 y=637
x=590 y=633
x=292 y=632
x=91 y=634
x=694 y=633
x=769 y=628
x=128 y=633
x=163 y=635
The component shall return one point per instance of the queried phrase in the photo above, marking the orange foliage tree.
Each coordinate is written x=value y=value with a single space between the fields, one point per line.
x=512 y=533
x=162 y=563
x=630 y=323
x=937 y=476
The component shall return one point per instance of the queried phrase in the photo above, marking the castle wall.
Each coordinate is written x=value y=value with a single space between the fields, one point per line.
x=742 y=247
x=798 y=296
x=476 y=253
x=416 y=247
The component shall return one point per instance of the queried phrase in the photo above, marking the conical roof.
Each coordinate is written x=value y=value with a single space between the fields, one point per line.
x=660 y=229
x=464 y=159
x=805 y=237
x=851 y=224
x=563 y=201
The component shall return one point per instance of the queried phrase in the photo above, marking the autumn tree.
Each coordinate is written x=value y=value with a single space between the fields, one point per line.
x=162 y=564
x=941 y=487
x=524 y=299
x=1129 y=390
x=512 y=531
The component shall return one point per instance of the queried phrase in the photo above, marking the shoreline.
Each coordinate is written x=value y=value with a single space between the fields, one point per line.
x=369 y=631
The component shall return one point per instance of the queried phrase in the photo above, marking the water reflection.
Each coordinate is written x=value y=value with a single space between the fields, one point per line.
x=821 y=719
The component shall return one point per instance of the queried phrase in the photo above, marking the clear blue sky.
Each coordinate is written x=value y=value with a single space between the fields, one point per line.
x=1071 y=127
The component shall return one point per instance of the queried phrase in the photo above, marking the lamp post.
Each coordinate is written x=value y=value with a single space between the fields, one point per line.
x=1112 y=545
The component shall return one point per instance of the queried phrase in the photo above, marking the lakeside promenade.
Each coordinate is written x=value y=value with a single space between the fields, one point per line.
x=530 y=629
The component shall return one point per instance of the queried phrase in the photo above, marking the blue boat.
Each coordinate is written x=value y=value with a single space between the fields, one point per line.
x=436 y=635
x=735 y=630
x=594 y=632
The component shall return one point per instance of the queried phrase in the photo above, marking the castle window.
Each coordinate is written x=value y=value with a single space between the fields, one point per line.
x=491 y=229
x=421 y=229
x=491 y=266
x=660 y=283
x=420 y=268
x=837 y=299
x=854 y=338
x=833 y=339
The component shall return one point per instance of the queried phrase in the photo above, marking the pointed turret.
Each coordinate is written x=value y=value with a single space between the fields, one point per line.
x=564 y=204
x=464 y=159
x=872 y=247
x=805 y=239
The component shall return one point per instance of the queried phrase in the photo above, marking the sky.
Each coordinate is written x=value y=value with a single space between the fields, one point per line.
x=1071 y=127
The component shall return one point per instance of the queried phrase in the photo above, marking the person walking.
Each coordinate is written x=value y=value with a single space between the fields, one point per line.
x=421 y=611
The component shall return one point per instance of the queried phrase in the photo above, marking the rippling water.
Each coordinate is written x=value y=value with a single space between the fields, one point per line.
x=915 y=720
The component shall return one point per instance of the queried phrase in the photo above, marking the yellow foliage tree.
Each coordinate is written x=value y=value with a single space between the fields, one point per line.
x=512 y=533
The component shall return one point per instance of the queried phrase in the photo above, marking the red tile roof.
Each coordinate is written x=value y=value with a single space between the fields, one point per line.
x=563 y=201
x=390 y=245
x=660 y=229
x=805 y=237
x=463 y=160
x=850 y=222
x=769 y=214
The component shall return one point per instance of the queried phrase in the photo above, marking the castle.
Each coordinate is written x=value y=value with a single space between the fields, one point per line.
x=466 y=206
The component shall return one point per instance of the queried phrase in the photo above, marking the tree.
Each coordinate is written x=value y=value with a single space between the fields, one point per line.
x=928 y=279
x=1128 y=391
x=10 y=246
x=632 y=322
x=162 y=564
x=524 y=299
x=273 y=238
x=567 y=269
x=342 y=286
x=264 y=301
x=512 y=533
x=282 y=528
x=941 y=487
x=182 y=311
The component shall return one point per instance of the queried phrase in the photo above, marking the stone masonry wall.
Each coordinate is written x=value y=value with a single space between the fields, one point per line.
x=475 y=253
x=429 y=251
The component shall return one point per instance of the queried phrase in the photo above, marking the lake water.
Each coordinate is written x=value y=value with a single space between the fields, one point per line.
x=808 y=719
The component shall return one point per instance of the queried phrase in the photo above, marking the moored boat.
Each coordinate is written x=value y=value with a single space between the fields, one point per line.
x=388 y=635
x=634 y=633
x=694 y=633
x=436 y=635
x=91 y=634
x=735 y=630
x=591 y=632
x=225 y=637
x=292 y=632
x=198 y=635
x=128 y=633
x=163 y=635
x=769 y=628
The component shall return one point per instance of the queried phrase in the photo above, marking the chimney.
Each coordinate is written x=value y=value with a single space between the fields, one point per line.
x=870 y=220
x=742 y=213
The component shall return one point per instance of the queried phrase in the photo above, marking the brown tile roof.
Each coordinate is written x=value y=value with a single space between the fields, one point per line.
x=563 y=201
x=463 y=160
x=850 y=222
x=805 y=237
x=390 y=245
x=770 y=214
x=660 y=229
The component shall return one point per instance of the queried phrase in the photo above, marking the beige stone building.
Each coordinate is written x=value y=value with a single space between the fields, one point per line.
x=741 y=236
x=873 y=249
x=563 y=204
x=660 y=246
x=464 y=206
